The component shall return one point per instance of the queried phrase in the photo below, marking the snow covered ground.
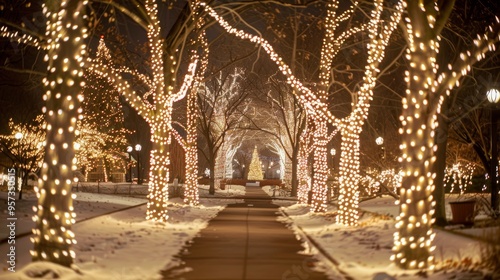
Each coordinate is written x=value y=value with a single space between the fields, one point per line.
x=122 y=245
x=364 y=252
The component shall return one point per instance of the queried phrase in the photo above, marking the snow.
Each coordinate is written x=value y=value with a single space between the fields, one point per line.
x=122 y=245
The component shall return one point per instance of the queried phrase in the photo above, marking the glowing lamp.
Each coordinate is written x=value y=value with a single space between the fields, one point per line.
x=493 y=95
x=18 y=135
x=379 y=140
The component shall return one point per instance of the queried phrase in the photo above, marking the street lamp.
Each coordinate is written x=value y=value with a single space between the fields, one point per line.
x=333 y=152
x=18 y=137
x=493 y=96
x=129 y=151
x=380 y=141
x=138 y=148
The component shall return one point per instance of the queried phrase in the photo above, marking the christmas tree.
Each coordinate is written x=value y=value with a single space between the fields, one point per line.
x=102 y=136
x=255 y=170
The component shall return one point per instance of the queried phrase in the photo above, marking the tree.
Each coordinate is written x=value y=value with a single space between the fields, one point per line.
x=428 y=84
x=24 y=146
x=65 y=55
x=219 y=102
x=255 y=168
x=284 y=120
x=155 y=104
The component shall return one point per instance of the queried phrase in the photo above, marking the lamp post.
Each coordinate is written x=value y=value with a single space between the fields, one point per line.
x=129 y=151
x=380 y=141
x=138 y=148
x=18 y=137
x=333 y=152
x=493 y=96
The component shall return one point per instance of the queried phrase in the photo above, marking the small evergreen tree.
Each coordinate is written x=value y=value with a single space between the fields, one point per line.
x=255 y=169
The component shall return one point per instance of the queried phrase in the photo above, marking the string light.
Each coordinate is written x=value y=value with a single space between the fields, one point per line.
x=25 y=39
x=459 y=176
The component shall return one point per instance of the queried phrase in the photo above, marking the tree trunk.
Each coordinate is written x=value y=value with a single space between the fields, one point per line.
x=159 y=172
x=320 y=167
x=349 y=176
x=211 y=189
x=295 y=167
x=55 y=215
x=191 y=195
x=302 y=174
x=412 y=243
x=441 y=139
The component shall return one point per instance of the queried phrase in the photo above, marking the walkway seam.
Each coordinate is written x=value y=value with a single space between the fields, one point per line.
x=319 y=248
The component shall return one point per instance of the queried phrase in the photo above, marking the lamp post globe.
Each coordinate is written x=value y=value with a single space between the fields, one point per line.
x=138 y=148
x=493 y=96
x=129 y=151
x=18 y=137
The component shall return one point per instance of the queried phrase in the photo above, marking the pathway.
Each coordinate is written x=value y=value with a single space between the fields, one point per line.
x=245 y=241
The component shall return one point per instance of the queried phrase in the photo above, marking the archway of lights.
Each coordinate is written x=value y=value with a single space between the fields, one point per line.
x=428 y=84
x=316 y=102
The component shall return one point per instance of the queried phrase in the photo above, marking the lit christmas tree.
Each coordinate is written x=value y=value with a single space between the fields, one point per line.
x=103 y=137
x=255 y=168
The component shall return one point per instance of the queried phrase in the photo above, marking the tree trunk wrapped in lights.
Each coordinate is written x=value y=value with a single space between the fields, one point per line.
x=66 y=49
x=191 y=195
x=303 y=167
x=158 y=112
x=351 y=126
x=349 y=177
x=319 y=188
x=426 y=91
